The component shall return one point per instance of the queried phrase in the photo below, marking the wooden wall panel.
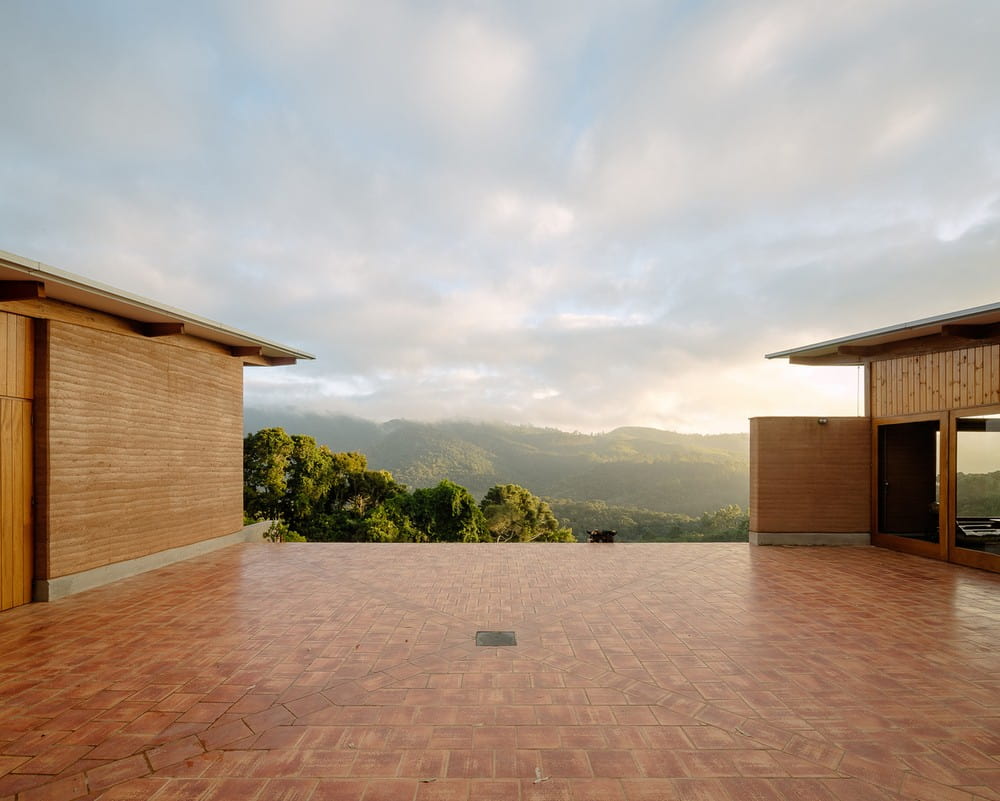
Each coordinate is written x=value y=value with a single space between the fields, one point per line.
x=143 y=447
x=808 y=477
x=16 y=391
x=936 y=382
x=16 y=557
x=16 y=356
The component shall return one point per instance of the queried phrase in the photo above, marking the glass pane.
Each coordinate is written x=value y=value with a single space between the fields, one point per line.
x=977 y=485
x=908 y=479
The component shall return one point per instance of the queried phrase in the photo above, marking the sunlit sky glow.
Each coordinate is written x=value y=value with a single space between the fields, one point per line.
x=572 y=214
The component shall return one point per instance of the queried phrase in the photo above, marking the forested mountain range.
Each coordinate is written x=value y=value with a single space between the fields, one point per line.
x=641 y=468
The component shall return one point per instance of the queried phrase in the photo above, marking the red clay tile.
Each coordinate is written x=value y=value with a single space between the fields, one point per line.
x=448 y=737
x=824 y=686
x=54 y=760
x=390 y=790
x=174 y=752
x=177 y=702
x=565 y=764
x=538 y=736
x=116 y=772
x=709 y=737
x=221 y=736
x=232 y=763
x=660 y=764
x=613 y=763
x=495 y=790
x=59 y=790
x=288 y=790
x=134 y=790
x=650 y=790
x=516 y=763
x=338 y=790
x=423 y=764
x=604 y=789
x=376 y=763
x=494 y=737
x=319 y=763
x=470 y=764
x=445 y=790
x=233 y=789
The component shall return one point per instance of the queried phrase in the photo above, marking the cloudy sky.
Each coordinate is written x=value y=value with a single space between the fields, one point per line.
x=575 y=214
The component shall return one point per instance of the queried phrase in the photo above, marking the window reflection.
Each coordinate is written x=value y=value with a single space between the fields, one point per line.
x=977 y=488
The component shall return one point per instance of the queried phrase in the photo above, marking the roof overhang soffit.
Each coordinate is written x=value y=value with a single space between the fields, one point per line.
x=947 y=337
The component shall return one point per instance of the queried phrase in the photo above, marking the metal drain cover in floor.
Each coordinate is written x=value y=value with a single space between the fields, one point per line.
x=496 y=638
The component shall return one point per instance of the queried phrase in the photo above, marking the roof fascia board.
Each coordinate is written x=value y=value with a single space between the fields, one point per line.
x=45 y=273
x=831 y=346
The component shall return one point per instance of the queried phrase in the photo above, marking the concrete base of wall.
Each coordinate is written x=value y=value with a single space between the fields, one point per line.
x=807 y=538
x=53 y=589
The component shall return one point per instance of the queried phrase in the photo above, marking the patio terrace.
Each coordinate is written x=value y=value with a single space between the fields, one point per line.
x=643 y=672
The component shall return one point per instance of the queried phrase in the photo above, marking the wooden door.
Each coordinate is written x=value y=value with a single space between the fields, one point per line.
x=907 y=479
x=909 y=459
x=16 y=524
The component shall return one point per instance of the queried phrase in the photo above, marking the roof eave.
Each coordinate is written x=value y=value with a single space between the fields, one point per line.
x=850 y=350
x=72 y=288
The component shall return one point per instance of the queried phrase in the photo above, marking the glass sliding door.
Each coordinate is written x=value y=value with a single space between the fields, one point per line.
x=976 y=539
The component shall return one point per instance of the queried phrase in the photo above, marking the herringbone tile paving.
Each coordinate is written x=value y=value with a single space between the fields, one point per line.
x=642 y=673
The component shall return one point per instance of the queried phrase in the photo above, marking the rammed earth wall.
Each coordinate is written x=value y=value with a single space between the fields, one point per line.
x=810 y=477
x=141 y=443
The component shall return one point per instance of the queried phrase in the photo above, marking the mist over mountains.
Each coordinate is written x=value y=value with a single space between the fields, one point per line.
x=642 y=468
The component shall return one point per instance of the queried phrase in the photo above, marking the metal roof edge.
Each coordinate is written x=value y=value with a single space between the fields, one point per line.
x=47 y=273
x=890 y=329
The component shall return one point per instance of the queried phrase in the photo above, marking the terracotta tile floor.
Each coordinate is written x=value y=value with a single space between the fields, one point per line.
x=642 y=673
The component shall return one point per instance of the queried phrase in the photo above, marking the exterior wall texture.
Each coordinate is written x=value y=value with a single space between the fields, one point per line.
x=141 y=446
x=936 y=382
x=16 y=524
x=810 y=477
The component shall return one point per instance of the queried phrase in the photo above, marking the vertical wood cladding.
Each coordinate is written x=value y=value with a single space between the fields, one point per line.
x=143 y=448
x=16 y=391
x=808 y=477
x=936 y=382
x=16 y=360
x=15 y=502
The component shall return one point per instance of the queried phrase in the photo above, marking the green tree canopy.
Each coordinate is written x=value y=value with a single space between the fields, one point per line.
x=266 y=458
x=513 y=514
x=309 y=476
x=334 y=497
x=445 y=513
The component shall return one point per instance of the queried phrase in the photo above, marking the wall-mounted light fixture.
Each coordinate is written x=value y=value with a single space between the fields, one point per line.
x=823 y=421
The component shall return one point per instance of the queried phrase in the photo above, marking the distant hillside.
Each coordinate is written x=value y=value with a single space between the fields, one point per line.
x=645 y=468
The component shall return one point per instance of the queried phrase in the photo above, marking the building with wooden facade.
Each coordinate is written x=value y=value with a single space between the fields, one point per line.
x=919 y=472
x=121 y=432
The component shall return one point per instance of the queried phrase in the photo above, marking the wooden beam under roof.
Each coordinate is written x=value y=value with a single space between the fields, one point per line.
x=161 y=329
x=834 y=359
x=932 y=343
x=971 y=332
x=245 y=350
x=21 y=290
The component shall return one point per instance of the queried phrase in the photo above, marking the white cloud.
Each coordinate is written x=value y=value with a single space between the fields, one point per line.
x=579 y=217
x=470 y=76
x=510 y=212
